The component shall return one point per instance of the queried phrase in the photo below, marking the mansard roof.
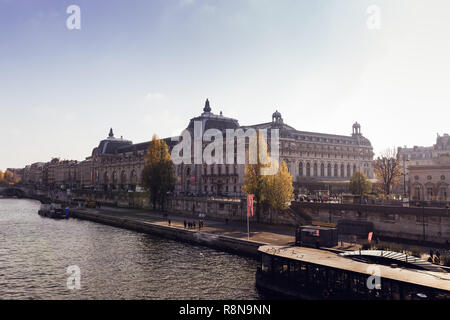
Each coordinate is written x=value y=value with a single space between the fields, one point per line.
x=143 y=146
x=210 y=120
x=288 y=132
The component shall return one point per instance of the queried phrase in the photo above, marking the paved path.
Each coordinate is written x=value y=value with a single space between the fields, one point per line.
x=276 y=235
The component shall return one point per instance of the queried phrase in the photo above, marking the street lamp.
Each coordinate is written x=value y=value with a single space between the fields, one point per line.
x=404 y=176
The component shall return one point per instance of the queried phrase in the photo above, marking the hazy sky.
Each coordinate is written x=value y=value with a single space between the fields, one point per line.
x=145 y=67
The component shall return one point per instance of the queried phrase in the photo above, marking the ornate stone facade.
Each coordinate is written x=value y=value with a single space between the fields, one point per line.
x=315 y=160
x=431 y=182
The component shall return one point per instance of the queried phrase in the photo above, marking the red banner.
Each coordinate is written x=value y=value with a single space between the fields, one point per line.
x=370 y=236
x=250 y=205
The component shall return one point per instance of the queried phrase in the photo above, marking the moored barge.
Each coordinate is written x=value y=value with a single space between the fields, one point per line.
x=308 y=273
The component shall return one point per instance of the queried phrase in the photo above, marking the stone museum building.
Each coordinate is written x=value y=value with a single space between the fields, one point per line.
x=316 y=161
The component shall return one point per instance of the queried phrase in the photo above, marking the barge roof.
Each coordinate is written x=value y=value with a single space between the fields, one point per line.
x=436 y=280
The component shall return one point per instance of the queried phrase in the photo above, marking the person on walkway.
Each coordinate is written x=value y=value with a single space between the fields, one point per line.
x=169 y=222
x=185 y=223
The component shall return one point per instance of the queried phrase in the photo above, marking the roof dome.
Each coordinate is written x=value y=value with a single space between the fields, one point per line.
x=276 y=114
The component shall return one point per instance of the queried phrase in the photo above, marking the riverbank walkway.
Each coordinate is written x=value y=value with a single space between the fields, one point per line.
x=270 y=234
x=279 y=235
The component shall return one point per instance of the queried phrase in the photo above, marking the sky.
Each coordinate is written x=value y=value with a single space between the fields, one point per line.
x=145 y=67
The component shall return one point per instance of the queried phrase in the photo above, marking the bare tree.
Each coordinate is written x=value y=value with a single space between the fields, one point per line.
x=387 y=169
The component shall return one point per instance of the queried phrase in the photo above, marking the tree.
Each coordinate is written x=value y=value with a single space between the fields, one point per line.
x=387 y=169
x=359 y=184
x=8 y=177
x=253 y=177
x=278 y=188
x=2 y=175
x=158 y=175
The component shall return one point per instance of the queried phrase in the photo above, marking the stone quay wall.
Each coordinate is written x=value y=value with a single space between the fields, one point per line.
x=237 y=246
x=406 y=223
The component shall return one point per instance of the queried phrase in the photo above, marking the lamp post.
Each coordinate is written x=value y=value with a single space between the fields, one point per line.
x=423 y=219
x=404 y=177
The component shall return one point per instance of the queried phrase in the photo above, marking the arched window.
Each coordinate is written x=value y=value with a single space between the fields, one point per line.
x=300 y=169
x=329 y=170
x=342 y=170
x=322 y=170
x=336 y=170
x=354 y=168
x=123 y=178
x=133 y=177
x=315 y=170
x=308 y=169
x=348 y=171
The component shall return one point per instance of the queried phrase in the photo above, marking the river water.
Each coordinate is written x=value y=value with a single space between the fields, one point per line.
x=35 y=253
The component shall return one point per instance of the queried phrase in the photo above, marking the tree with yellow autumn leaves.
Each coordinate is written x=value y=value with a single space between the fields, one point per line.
x=7 y=177
x=275 y=189
x=158 y=175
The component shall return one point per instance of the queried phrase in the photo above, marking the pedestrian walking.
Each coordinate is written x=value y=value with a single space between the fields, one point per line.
x=185 y=224
x=169 y=222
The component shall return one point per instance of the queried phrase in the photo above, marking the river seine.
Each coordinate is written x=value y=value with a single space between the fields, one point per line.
x=35 y=253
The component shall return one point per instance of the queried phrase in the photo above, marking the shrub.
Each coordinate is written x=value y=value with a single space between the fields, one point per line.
x=389 y=246
x=416 y=252
x=445 y=259
x=395 y=247
x=366 y=245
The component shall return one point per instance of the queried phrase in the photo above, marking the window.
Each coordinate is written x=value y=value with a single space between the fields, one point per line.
x=315 y=170
x=300 y=169
x=308 y=169
x=443 y=194
x=348 y=170
x=430 y=193
x=329 y=170
x=342 y=170
x=442 y=177
x=336 y=170
x=322 y=170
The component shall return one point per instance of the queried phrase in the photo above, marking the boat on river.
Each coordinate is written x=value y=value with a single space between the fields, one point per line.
x=53 y=210
x=315 y=274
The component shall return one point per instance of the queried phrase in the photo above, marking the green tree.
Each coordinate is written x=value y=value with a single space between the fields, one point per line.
x=359 y=184
x=158 y=175
x=278 y=189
